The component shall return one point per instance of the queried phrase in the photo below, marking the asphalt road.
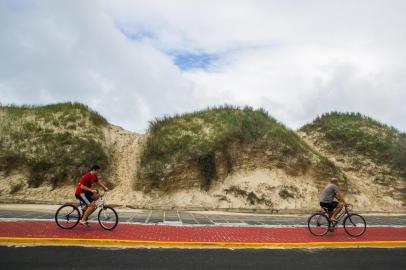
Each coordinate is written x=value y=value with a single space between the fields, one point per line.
x=93 y=258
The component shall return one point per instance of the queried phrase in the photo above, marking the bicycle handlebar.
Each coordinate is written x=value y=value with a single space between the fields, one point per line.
x=102 y=194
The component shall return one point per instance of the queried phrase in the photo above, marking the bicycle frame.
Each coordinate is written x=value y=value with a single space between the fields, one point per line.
x=341 y=215
x=100 y=202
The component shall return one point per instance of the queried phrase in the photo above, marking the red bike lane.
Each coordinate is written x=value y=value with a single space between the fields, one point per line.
x=140 y=235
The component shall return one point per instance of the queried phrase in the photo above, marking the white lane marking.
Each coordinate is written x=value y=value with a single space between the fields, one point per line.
x=194 y=219
x=149 y=216
x=237 y=224
x=171 y=222
x=177 y=212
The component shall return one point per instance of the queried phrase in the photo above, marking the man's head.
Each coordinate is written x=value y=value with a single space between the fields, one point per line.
x=334 y=180
x=95 y=169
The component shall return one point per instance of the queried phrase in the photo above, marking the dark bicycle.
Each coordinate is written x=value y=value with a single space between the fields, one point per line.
x=68 y=215
x=320 y=223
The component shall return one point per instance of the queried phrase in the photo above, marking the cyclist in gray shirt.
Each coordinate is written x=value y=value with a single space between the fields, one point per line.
x=327 y=196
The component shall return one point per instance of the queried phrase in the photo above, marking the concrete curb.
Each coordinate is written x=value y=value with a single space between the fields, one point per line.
x=162 y=244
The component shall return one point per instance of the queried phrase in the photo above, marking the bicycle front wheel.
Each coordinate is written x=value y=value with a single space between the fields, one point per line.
x=108 y=218
x=67 y=216
x=355 y=225
x=318 y=224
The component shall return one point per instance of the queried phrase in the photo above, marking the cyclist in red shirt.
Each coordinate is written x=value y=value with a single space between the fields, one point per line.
x=86 y=194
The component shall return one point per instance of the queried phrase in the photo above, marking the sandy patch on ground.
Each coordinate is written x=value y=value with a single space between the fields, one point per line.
x=264 y=184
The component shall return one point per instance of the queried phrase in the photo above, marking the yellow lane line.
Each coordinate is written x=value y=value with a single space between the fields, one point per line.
x=134 y=243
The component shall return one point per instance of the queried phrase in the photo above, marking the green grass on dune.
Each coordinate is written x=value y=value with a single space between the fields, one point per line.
x=53 y=142
x=353 y=133
x=195 y=137
x=62 y=113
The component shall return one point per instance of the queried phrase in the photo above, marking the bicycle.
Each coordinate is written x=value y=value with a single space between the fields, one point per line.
x=68 y=215
x=320 y=223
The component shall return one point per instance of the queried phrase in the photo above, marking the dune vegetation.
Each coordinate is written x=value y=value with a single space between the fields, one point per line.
x=199 y=138
x=52 y=143
x=359 y=135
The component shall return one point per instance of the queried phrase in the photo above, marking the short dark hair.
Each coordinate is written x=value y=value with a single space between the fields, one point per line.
x=95 y=168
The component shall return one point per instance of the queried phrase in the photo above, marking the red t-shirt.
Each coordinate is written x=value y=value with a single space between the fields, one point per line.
x=87 y=180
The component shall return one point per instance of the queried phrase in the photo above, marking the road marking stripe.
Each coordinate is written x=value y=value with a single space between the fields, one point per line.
x=134 y=243
x=149 y=216
x=194 y=218
x=177 y=212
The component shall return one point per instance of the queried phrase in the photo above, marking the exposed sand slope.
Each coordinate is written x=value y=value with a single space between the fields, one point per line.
x=363 y=190
x=257 y=189
x=125 y=151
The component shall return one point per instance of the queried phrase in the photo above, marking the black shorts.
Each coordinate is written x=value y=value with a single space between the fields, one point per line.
x=330 y=206
x=85 y=198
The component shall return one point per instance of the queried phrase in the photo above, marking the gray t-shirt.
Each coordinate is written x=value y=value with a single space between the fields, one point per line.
x=327 y=196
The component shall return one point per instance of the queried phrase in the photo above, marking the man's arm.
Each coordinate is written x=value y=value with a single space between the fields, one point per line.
x=100 y=184
x=87 y=189
x=340 y=197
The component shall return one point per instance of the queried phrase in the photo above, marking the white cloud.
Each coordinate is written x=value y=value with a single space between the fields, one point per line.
x=296 y=59
x=58 y=51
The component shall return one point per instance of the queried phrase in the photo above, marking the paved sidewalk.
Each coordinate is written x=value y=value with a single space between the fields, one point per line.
x=46 y=232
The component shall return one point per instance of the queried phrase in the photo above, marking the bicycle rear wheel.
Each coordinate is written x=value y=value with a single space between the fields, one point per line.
x=355 y=225
x=108 y=218
x=318 y=224
x=67 y=216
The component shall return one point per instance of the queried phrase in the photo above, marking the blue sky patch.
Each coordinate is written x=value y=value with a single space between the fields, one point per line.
x=141 y=35
x=133 y=34
x=187 y=60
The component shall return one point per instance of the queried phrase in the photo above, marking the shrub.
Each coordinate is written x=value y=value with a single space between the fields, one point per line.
x=194 y=138
x=53 y=150
x=356 y=134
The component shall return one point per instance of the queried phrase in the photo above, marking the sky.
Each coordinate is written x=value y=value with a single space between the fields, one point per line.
x=134 y=61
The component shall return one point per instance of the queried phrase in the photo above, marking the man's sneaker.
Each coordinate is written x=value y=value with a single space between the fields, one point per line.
x=84 y=223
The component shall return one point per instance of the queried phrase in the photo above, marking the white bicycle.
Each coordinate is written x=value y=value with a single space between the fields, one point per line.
x=68 y=215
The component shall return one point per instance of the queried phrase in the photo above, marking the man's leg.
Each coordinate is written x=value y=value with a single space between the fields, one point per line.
x=83 y=205
x=336 y=211
x=95 y=196
x=90 y=208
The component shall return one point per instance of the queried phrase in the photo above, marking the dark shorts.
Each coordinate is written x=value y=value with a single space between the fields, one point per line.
x=330 y=206
x=85 y=198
